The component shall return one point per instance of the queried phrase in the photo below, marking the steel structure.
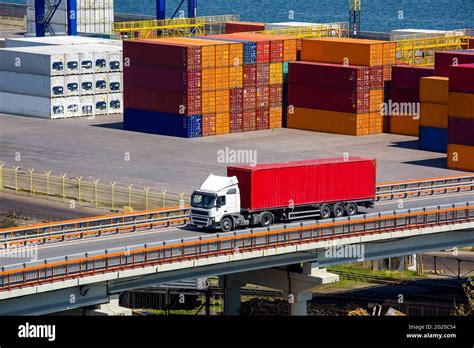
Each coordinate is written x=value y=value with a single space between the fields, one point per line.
x=336 y=29
x=420 y=49
x=354 y=18
x=44 y=15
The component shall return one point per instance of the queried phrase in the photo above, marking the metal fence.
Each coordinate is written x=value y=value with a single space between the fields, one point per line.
x=226 y=244
x=78 y=191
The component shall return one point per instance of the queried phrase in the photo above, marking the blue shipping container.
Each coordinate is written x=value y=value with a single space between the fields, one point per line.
x=250 y=48
x=434 y=139
x=161 y=123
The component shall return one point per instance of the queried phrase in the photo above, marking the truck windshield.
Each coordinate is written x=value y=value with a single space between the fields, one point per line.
x=199 y=200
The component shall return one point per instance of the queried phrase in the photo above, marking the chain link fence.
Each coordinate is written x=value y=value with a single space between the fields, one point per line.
x=86 y=192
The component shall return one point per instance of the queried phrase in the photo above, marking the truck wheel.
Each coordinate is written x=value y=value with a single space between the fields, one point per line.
x=266 y=220
x=325 y=211
x=338 y=210
x=352 y=209
x=227 y=224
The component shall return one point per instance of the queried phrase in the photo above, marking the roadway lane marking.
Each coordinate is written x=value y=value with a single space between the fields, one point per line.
x=425 y=198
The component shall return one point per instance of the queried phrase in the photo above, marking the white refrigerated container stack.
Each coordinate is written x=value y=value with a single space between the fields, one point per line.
x=61 y=81
x=93 y=16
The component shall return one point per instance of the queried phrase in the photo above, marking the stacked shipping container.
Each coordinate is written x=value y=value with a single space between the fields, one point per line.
x=434 y=113
x=339 y=86
x=403 y=107
x=242 y=27
x=461 y=117
x=58 y=81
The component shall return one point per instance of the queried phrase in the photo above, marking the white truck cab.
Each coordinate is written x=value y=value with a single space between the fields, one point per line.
x=217 y=198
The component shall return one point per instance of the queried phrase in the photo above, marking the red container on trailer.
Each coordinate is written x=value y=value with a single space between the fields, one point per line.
x=443 y=60
x=164 y=101
x=262 y=120
x=279 y=185
x=161 y=53
x=250 y=75
x=263 y=97
x=461 y=78
x=249 y=98
x=236 y=99
x=162 y=78
x=332 y=99
x=241 y=27
x=405 y=95
x=236 y=121
x=408 y=77
x=248 y=123
x=276 y=95
x=328 y=75
x=461 y=131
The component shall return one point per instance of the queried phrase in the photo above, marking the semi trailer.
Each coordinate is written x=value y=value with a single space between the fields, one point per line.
x=259 y=195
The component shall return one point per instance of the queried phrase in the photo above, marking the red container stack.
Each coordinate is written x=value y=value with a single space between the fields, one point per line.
x=241 y=27
x=443 y=60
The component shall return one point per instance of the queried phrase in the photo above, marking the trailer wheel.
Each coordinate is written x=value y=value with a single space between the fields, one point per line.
x=325 y=211
x=227 y=224
x=338 y=210
x=352 y=209
x=266 y=220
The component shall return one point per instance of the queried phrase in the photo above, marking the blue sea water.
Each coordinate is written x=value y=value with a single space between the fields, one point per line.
x=377 y=15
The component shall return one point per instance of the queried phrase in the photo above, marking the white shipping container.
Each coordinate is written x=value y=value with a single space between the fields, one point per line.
x=59 y=41
x=422 y=32
x=87 y=84
x=72 y=85
x=101 y=83
x=34 y=85
x=101 y=104
x=87 y=106
x=73 y=107
x=27 y=105
x=115 y=82
x=280 y=25
x=115 y=103
x=32 y=60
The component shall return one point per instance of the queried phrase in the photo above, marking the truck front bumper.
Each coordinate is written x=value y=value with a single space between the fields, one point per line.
x=202 y=221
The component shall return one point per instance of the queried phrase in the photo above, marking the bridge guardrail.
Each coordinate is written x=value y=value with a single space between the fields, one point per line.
x=16 y=276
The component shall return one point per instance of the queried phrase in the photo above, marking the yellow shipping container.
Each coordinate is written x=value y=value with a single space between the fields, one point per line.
x=208 y=102
x=405 y=125
x=222 y=101
x=434 y=115
x=329 y=121
x=461 y=105
x=343 y=51
x=276 y=117
x=461 y=157
x=276 y=73
x=376 y=100
x=236 y=77
x=222 y=78
x=434 y=89
x=208 y=80
x=222 y=123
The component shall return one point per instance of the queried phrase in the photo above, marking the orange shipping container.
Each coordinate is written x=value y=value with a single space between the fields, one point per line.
x=434 y=115
x=208 y=77
x=236 y=77
x=434 y=89
x=208 y=125
x=222 y=101
x=343 y=51
x=329 y=121
x=376 y=100
x=461 y=105
x=389 y=53
x=222 y=78
x=405 y=125
x=222 y=123
x=208 y=102
x=461 y=157
x=276 y=117
x=276 y=73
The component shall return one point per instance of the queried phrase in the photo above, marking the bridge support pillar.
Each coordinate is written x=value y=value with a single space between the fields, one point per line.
x=109 y=309
x=399 y=263
x=297 y=286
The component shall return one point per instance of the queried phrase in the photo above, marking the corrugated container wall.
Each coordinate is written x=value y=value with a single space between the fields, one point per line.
x=444 y=60
x=268 y=186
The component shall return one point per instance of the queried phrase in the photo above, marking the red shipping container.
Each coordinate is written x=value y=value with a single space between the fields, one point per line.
x=408 y=77
x=249 y=98
x=461 y=78
x=461 y=131
x=162 y=78
x=443 y=60
x=164 y=101
x=405 y=96
x=263 y=45
x=236 y=121
x=276 y=95
x=263 y=97
x=263 y=74
x=249 y=118
x=262 y=120
x=329 y=75
x=332 y=99
x=236 y=99
x=208 y=125
x=376 y=77
x=279 y=185
x=250 y=75
x=471 y=43
x=242 y=27
x=162 y=53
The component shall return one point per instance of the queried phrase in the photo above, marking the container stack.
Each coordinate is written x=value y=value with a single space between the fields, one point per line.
x=471 y=43
x=92 y=17
x=434 y=93
x=242 y=27
x=461 y=118
x=444 y=60
x=404 y=107
x=61 y=81
x=339 y=86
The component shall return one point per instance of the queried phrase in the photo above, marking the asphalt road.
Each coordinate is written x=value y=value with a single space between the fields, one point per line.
x=174 y=233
